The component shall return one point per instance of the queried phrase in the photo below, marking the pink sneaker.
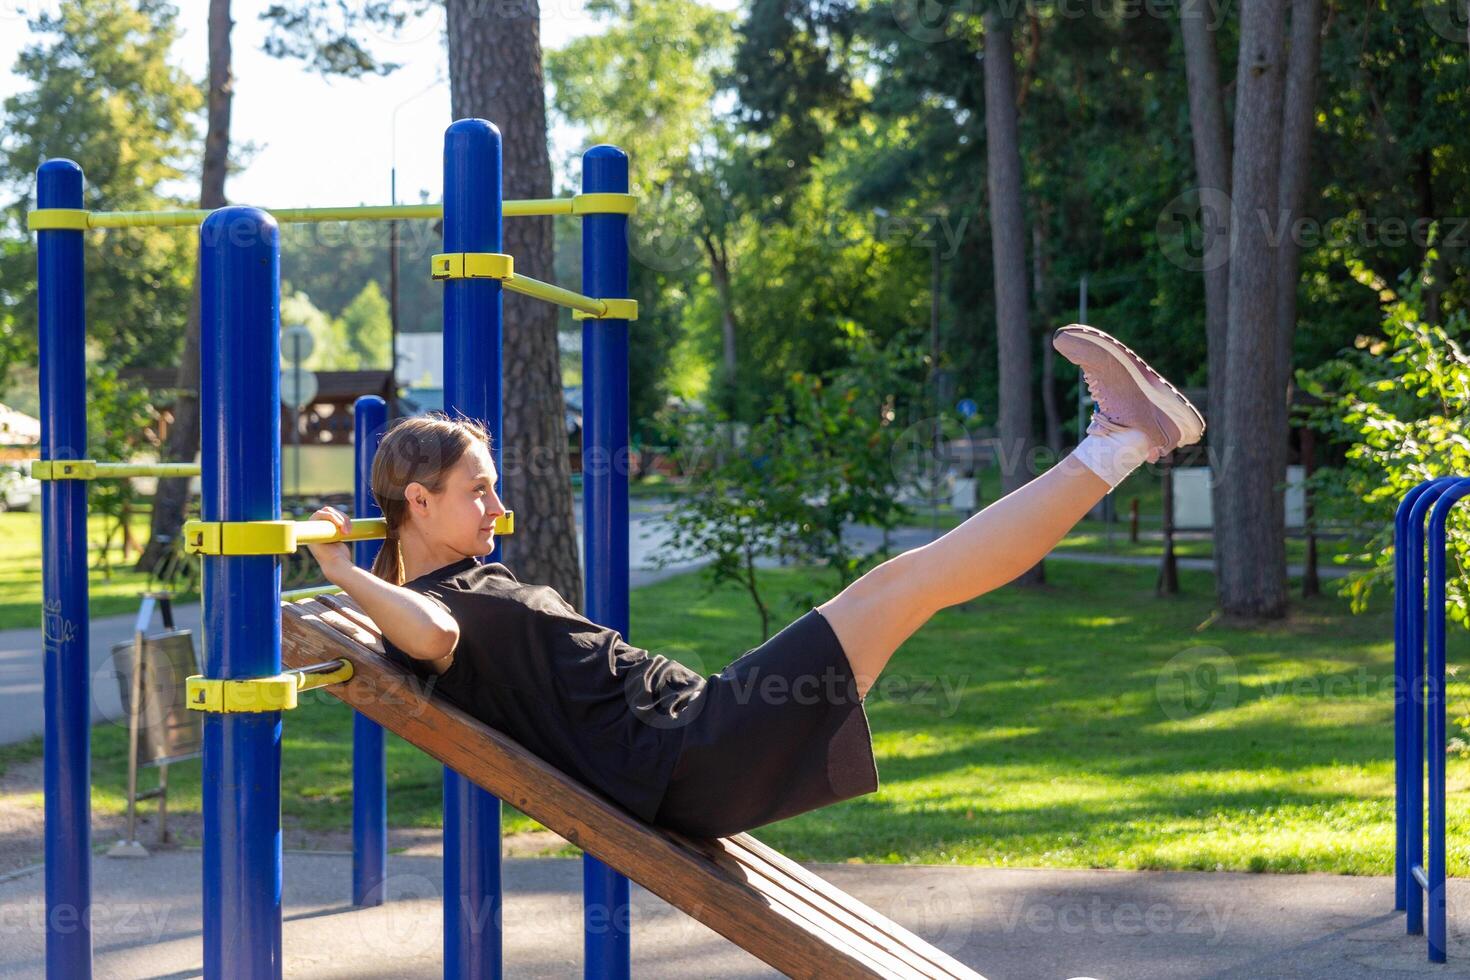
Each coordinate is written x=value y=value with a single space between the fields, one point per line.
x=1130 y=393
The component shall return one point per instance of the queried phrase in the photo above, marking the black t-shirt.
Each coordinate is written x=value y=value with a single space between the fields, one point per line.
x=575 y=693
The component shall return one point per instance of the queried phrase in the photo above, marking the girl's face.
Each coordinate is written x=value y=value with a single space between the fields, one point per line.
x=464 y=513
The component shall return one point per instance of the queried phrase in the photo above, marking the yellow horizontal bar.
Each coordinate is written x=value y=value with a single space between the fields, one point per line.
x=76 y=219
x=90 y=469
x=296 y=595
x=285 y=537
x=310 y=680
x=538 y=207
x=527 y=286
x=318 y=532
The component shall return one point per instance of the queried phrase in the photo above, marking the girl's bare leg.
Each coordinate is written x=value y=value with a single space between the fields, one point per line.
x=1139 y=413
x=873 y=616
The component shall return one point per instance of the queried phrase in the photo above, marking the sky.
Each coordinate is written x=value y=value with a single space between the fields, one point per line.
x=319 y=141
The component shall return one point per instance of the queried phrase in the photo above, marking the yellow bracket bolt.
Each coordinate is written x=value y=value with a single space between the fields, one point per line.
x=64 y=469
x=617 y=309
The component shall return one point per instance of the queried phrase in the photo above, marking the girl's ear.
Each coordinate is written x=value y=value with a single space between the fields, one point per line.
x=416 y=497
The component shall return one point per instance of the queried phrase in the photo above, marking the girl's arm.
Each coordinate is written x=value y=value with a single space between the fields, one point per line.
x=416 y=624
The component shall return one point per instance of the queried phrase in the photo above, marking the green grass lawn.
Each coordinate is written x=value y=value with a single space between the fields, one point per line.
x=1084 y=724
x=20 y=570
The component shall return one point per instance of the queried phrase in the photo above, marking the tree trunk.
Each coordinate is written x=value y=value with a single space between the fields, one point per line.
x=495 y=74
x=1298 y=121
x=719 y=272
x=1040 y=267
x=1008 y=247
x=1249 y=531
x=1297 y=124
x=1212 y=174
x=171 y=498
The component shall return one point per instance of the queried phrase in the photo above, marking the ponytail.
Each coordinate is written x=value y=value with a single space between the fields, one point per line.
x=388 y=566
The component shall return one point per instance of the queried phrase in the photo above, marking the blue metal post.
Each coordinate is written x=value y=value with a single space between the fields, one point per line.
x=1435 y=707
x=472 y=348
x=1414 y=701
x=67 y=668
x=606 y=911
x=1403 y=881
x=369 y=780
x=239 y=273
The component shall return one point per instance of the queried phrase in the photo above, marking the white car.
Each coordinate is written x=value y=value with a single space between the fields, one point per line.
x=18 y=489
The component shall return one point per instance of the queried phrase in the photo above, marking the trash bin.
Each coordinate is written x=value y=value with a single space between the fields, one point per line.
x=152 y=677
x=167 y=730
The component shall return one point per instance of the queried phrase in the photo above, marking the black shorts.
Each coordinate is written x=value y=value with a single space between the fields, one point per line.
x=780 y=731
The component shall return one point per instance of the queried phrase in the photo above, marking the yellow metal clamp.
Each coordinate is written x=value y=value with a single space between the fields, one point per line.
x=603 y=204
x=64 y=469
x=285 y=537
x=247 y=694
x=471 y=265
x=616 y=309
x=57 y=219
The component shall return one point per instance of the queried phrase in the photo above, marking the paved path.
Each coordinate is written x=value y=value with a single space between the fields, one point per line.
x=1009 y=924
x=20 y=650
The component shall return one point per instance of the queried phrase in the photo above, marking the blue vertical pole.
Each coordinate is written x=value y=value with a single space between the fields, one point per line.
x=1402 y=536
x=369 y=780
x=472 y=348
x=1414 y=701
x=1435 y=708
x=606 y=912
x=239 y=274
x=67 y=667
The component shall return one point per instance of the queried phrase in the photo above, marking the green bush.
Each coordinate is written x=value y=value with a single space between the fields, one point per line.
x=1402 y=402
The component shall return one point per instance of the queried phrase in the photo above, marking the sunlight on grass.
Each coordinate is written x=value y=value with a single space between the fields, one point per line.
x=1041 y=727
x=20 y=570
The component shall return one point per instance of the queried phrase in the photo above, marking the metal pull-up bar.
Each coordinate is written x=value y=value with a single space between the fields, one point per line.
x=80 y=219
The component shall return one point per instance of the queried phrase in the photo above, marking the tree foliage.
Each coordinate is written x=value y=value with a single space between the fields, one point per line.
x=99 y=85
x=1401 y=402
x=784 y=487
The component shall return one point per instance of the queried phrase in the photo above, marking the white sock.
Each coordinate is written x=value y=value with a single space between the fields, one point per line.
x=1111 y=453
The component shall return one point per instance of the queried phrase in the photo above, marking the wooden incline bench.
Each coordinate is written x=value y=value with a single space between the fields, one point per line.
x=752 y=895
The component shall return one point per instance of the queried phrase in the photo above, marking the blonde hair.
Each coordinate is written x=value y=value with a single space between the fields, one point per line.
x=422 y=449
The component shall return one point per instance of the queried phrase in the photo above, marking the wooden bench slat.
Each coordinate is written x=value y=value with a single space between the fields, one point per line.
x=947 y=965
x=732 y=885
x=729 y=852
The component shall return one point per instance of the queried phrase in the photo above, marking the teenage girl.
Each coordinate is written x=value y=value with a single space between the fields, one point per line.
x=779 y=731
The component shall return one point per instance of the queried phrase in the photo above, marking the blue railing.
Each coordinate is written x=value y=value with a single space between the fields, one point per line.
x=1419 y=689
